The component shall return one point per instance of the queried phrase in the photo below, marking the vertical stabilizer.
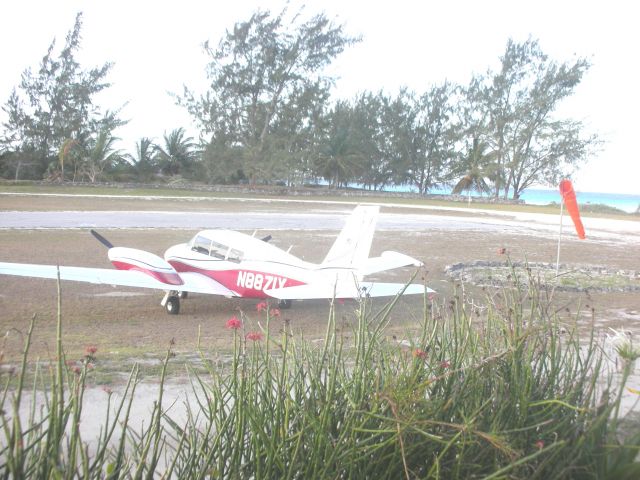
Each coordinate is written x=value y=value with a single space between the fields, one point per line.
x=351 y=248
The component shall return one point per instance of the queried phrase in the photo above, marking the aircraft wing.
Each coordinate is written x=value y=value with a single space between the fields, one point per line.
x=192 y=282
x=363 y=289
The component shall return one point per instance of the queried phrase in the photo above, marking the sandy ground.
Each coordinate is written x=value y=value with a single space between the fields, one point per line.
x=130 y=322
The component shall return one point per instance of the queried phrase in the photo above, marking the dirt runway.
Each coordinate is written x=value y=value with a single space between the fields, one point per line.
x=130 y=322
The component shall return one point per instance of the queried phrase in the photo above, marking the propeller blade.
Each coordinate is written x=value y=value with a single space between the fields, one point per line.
x=101 y=239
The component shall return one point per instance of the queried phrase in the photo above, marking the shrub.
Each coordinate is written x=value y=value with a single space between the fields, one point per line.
x=496 y=394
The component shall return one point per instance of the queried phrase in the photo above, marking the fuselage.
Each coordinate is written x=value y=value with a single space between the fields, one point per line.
x=245 y=265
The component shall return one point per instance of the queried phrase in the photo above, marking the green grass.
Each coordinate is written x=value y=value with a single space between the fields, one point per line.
x=498 y=395
x=27 y=187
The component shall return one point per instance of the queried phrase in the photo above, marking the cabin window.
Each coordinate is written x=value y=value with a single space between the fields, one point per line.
x=214 y=249
x=218 y=250
x=201 y=245
x=234 y=255
x=224 y=252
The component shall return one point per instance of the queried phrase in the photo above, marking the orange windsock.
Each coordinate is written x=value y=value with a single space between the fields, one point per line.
x=570 y=201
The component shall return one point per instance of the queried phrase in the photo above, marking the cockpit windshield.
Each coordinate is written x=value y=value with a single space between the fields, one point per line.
x=214 y=249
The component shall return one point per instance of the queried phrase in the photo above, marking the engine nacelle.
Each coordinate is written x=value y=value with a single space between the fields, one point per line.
x=124 y=258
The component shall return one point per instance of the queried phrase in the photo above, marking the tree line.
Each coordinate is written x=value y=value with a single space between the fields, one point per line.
x=268 y=116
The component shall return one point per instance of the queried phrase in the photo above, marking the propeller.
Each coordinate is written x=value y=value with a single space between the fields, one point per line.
x=101 y=239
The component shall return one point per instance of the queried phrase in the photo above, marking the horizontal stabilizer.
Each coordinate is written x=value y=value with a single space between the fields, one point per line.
x=387 y=261
x=301 y=292
x=364 y=289
x=379 y=289
x=192 y=282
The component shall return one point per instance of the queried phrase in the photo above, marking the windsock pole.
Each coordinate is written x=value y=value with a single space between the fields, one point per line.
x=568 y=195
x=559 y=238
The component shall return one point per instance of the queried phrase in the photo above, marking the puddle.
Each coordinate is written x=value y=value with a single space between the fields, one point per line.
x=622 y=314
x=178 y=398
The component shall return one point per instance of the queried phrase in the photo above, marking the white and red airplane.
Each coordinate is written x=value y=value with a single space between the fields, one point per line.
x=234 y=264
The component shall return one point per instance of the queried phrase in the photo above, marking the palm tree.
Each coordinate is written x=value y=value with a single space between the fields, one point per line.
x=143 y=160
x=475 y=164
x=339 y=156
x=178 y=152
x=338 y=160
x=99 y=155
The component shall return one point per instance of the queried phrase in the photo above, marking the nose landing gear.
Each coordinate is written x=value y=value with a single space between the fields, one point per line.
x=171 y=302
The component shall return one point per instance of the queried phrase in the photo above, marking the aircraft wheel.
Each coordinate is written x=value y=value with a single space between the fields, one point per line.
x=183 y=294
x=284 y=304
x=173 y=305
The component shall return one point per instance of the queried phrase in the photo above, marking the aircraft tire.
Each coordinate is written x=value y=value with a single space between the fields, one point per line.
x=173 y=305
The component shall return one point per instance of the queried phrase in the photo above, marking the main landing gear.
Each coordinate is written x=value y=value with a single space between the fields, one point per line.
x=171 y=302
x=284 y=304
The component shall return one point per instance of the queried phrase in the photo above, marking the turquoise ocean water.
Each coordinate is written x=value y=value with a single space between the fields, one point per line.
x=626 y=202
x=533 y=196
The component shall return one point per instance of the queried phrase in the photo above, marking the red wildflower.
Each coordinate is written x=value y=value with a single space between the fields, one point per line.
x=502 y=251
x=107 y=390
x=419 y=353
x=445 y=364
x=254 y=336
x=262 y=306
x=539 y=444
x=90 y=350
x=234 y=323
x=76 y=370
x=275 y=312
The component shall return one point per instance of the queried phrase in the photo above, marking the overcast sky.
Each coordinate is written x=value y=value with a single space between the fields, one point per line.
x=156 y=48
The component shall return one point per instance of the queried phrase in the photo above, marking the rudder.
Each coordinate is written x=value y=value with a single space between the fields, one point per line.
x=351 y=248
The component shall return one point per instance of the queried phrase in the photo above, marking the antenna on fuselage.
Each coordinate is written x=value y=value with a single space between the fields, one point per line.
x=264 y=239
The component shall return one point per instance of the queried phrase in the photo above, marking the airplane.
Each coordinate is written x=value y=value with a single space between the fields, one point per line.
x=235 y=264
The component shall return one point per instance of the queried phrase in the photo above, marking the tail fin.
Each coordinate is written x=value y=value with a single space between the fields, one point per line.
x=351 y=248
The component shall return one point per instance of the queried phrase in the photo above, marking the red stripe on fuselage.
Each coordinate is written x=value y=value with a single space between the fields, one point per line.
x=164 y=277
x=246 y=283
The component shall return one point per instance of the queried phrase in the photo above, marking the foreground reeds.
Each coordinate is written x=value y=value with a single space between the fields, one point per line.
x=502 y=394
